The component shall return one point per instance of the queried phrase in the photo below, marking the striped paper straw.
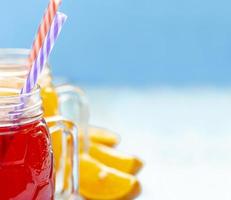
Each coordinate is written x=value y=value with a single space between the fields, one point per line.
x=44 y=52
x=43 y=29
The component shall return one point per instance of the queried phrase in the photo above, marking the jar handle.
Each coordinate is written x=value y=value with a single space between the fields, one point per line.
x=68 y=130
x=75 y=96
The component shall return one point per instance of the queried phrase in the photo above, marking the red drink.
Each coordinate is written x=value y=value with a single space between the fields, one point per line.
x=26 y=162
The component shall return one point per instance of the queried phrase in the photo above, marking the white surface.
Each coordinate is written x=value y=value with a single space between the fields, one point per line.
x=183 y=136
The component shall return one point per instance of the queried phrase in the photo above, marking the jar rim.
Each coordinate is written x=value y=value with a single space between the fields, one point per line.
x=16 y=107
x=36 y=90
x=14 y=62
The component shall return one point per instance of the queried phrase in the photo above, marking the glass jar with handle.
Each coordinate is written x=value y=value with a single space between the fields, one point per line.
x=26 y=157
x=13 y=63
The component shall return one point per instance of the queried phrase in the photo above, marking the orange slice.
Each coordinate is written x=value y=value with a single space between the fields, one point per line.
x=99 y=182
x=98 y=135
x=103 y=136
x=115 y=159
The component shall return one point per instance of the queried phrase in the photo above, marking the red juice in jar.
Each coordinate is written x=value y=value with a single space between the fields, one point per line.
x=26 y=158
x=26 y=169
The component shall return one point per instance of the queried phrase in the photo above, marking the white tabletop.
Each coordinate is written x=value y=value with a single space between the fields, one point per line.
x=182 y=135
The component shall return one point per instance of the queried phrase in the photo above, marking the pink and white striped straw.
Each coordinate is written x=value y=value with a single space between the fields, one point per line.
x=44 y=52
x=43 y=28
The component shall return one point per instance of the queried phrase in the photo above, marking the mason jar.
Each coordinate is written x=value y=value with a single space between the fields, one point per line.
x=26 y=157
x=14 y=63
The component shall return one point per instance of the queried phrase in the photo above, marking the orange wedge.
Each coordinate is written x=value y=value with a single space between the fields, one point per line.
x=99 y=182
x=103 y=136
x=99 y=135
x=115 y=159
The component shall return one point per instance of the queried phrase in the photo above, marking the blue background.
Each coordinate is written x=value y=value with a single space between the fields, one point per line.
x=131 y=42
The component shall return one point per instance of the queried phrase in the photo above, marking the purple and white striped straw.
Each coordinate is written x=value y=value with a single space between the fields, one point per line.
x=44 y=52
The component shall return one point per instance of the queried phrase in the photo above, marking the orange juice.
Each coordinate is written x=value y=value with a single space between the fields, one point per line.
x=50 y=101
x=51 y=108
